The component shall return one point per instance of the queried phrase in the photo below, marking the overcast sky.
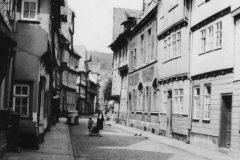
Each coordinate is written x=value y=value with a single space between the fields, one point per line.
x=94 y=21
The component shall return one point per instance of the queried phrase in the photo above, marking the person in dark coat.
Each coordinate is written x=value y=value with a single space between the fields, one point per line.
x=100 y=120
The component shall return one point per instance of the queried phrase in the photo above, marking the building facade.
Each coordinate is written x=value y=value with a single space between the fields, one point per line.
x=215 y=117
x=143 y=89
x=123 y=20
x=173 y=63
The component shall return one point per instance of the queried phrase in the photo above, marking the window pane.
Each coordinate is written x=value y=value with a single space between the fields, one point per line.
x=181 y=91
x=33 y=6
x=26 y=14
x=24 y=110
x=26 y=5
x=24 y=101
x=18 y=101
x=17 y=109
x=176 y=92
x=18 y=90
x=32 y=14
x=24 y=90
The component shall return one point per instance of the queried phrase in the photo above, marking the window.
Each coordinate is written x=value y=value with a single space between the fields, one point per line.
x=178 y=44
x=21 y=99
x=164 y=109
x=165 y=50
x=29 y=10
x=135 y=58
x=207 y=93
x=218 y=34
x=169 y=48
x=203 y=41
x=143 y=103
x=149 y=43
x=142 y=49
x=162 y=9
x=155 y=98
x=174 y=46
x=196 y=102
x=178 y=100
x=210 y=38
x=132 y=60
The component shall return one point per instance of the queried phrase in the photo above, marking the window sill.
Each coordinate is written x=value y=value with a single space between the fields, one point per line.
x=171 y=59
x=26 y=21
x=218 y=48
x=210 y=51
x=173 y=8
x=206 y=120
x=163 y=113
x=195 y=119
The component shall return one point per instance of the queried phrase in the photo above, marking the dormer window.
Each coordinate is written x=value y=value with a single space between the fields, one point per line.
x=29 y=10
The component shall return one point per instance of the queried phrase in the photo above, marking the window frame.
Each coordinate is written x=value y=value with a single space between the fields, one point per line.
x=196 y=108
x=36 y=11
x=207 y=101
x=203 y=41
x=216 y=34
x=178 y=108
x=162 y=10
x=210 y=38
x=22 y=96
x=164 y=107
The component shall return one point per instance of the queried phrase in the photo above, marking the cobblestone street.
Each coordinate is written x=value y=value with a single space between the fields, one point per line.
x=118 y=144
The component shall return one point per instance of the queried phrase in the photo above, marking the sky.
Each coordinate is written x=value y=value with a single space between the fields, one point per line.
x=94 y=21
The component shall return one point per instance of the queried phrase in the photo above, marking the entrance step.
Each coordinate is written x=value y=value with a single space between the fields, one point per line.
x=224 y=150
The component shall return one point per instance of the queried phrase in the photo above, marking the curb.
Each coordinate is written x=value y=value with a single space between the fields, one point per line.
x=153 y=139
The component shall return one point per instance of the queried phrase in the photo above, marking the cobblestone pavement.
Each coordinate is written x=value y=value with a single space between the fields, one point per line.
x=116 y=144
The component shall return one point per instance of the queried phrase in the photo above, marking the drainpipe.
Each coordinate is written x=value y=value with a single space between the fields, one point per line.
x=190 y=73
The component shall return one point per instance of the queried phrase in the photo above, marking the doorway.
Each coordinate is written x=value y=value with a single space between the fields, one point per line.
x=225 y=121
x=169 y=113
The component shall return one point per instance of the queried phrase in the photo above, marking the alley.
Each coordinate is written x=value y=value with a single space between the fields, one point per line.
x=117 y=144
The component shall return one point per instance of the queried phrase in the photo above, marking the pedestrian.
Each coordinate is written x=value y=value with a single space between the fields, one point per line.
x=100 y=120
x=90 y=124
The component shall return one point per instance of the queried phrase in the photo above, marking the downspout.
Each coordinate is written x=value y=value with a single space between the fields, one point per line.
x=190 y=73
x=13 y=56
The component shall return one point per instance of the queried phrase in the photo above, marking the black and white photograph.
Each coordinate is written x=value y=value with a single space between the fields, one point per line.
x=119 y=79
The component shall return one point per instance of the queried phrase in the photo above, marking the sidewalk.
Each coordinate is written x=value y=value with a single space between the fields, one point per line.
x=57 y=146
x=195 y=150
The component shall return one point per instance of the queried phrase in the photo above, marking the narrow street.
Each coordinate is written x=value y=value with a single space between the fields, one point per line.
x=117 y=144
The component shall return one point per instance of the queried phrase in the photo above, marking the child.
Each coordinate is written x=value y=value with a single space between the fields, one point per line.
x=90 y=124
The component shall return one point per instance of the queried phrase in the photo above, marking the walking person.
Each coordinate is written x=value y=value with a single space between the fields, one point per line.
x=100 y=120
x=90 y=124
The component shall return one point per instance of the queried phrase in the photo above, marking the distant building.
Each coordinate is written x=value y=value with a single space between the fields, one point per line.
x=123 y=21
